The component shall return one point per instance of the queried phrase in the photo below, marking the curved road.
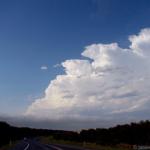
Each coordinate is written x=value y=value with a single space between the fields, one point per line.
x=35 y=145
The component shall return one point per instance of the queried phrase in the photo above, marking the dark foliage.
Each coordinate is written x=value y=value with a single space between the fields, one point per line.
x=134 y=133
x=9 y=133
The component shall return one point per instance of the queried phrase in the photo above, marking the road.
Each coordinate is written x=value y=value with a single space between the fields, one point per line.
x=36 y=145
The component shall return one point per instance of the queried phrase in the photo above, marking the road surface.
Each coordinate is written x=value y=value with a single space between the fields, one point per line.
x=36 y=145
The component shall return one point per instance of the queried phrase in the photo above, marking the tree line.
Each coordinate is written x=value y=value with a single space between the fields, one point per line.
x=134 y=134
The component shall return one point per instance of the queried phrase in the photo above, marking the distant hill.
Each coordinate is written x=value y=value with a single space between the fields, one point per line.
x=134 y=133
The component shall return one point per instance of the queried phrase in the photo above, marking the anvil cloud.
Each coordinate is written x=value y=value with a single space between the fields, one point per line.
x=108 y=82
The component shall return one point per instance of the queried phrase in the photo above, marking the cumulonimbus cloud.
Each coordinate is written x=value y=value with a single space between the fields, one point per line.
x=109 y=81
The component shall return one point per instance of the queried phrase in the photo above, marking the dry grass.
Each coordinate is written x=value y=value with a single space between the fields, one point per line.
x=90 y=146
x=8 y=146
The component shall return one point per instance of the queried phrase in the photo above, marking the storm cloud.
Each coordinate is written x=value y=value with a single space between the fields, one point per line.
x=109 y=83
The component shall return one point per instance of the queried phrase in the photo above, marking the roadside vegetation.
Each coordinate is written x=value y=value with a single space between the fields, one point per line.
x=120 y=137
x=86 y=145
x=9 y=146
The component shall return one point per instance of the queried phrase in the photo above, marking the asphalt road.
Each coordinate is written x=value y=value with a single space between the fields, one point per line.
x=36 y=145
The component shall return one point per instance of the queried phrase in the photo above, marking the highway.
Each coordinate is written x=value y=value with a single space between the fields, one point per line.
x=29 y=144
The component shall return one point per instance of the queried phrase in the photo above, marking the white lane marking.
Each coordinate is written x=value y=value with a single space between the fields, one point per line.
x=27 y=146
x=57 y=148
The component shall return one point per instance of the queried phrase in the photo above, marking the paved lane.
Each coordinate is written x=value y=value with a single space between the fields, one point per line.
x=64 y=147
x=21 y=146
x=35 y=145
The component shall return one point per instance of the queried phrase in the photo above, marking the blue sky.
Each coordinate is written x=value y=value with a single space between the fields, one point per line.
x=34 y=33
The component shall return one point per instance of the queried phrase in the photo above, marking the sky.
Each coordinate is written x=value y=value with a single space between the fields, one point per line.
x=79 y=61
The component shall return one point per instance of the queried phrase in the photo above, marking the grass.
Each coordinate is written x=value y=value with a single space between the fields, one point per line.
x=8 y=146
x=90 y=146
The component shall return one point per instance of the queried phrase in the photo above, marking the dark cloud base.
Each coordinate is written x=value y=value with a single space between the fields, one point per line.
x=72 y=124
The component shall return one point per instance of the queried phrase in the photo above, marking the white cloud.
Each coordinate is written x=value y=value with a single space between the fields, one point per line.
x=44 y=67
x=141 y=43
x=57 y=65
x=114 y=82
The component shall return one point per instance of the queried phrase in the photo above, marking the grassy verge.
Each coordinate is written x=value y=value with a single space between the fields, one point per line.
x=8 y=146
x=91 y=146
